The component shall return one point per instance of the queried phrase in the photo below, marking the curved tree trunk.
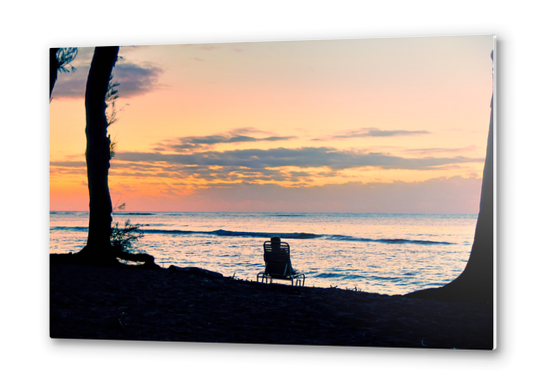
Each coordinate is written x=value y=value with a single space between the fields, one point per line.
x=98 y=151
x=476 y=281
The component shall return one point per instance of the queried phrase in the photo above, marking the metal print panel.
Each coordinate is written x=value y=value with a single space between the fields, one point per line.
x=335 y=192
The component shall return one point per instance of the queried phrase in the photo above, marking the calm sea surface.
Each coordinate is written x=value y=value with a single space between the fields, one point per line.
x=382 y=253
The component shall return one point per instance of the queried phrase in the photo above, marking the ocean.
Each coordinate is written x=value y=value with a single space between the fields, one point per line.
x=380 y=253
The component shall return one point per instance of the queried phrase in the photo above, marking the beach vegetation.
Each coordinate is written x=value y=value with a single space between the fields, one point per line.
x=124 y=238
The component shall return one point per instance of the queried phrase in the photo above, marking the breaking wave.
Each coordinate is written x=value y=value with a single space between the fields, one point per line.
x=294 y=235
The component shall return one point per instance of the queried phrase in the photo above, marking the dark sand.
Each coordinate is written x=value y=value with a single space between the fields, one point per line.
x=135 y=303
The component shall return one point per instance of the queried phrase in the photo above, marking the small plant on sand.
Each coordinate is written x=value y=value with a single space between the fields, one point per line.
x=123 y=238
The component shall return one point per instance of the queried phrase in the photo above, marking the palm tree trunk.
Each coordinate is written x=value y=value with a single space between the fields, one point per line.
x=476 y=281
x=98 y=149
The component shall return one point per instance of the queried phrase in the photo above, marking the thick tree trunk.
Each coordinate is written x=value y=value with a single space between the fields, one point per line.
x=53 y=70
x=476 y=281
x=98 y=150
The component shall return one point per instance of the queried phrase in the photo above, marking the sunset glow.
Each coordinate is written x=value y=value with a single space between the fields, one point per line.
x=375 y=125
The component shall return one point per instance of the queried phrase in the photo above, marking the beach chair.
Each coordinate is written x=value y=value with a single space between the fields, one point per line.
x=278 y=264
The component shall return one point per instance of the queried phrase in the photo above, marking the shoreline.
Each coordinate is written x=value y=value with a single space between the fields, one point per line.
x=371 y=252
x=191 y=305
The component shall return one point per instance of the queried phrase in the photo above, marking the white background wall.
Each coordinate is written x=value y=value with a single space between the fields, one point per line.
x=30 y=28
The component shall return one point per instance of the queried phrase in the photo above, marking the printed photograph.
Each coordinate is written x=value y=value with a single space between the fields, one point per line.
x=318 y=192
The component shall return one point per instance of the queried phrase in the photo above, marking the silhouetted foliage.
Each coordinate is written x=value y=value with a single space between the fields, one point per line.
x=111 y=111
x=110 y=100
x=59 y=61
x=123 y=239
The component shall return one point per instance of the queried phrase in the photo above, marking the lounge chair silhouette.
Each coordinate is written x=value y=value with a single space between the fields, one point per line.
x=278 y=264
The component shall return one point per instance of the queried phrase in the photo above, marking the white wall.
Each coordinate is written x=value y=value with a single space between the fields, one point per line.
x=30 y=28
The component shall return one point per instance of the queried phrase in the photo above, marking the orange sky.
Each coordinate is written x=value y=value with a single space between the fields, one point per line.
x=371 y=125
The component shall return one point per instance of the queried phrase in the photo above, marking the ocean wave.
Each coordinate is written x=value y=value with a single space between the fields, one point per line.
x=284 y=215
x=64 y=228
x=294 y=235
x=386 y=241
x=336 y=275
x=222 y=232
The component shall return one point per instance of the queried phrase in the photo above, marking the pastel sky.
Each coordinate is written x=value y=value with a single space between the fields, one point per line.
x=369 y=125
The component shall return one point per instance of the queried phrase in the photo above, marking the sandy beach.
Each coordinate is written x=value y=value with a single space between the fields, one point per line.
x=139 y=303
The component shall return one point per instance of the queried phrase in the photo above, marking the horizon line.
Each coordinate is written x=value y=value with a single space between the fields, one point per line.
x=360 y=213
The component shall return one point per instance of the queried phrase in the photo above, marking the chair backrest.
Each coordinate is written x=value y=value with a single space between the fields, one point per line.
x=277 y=258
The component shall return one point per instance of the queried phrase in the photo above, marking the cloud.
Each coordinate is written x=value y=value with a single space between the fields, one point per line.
x=306 y=157
x=213 y=47
x=371 y=132
x=439 y=195
x=68 y=164
x=287 y=166
x=135 y=79
x=441 y=150
x=71 y=85
x=239 y=135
